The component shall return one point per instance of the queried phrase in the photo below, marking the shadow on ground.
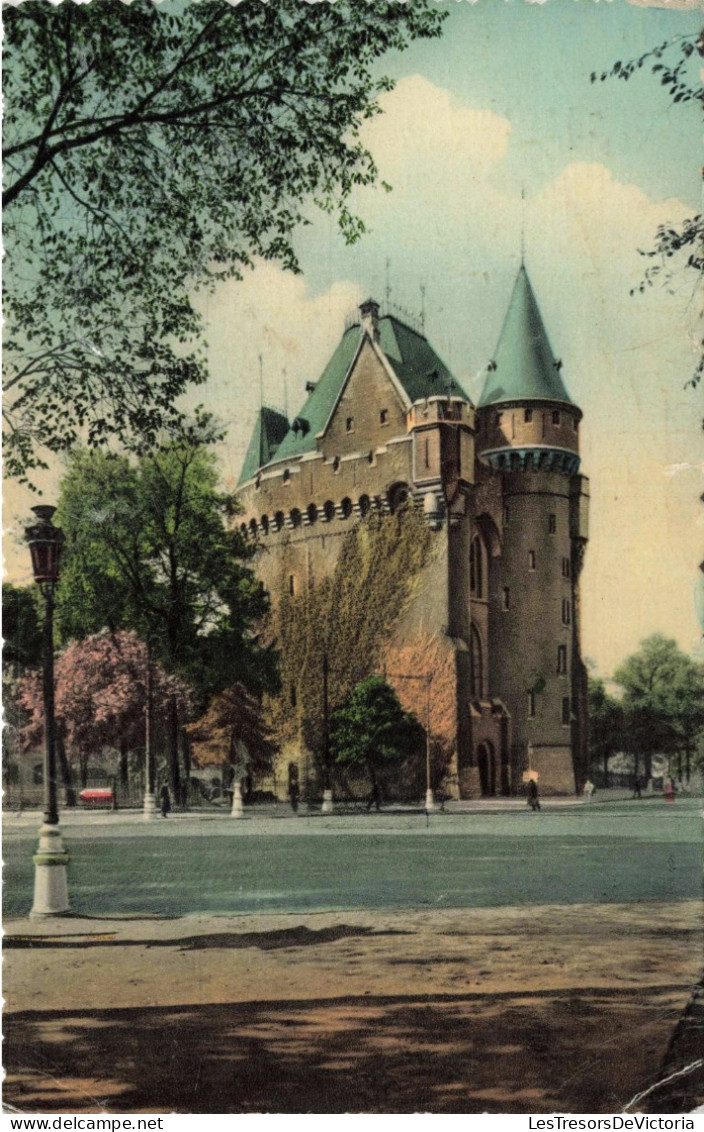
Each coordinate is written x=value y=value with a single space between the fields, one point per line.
x=584 y=1050
x=264 y=941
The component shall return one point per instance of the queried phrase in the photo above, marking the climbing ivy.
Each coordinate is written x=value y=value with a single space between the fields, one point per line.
x=349 y=616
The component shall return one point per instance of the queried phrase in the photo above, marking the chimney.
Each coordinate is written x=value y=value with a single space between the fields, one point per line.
x=369 y=311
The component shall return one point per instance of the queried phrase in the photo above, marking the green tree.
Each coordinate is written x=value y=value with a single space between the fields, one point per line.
x=150 y=149
x=606 y=731
x=371 y=730
x=663 y=701
x=21 y=627
x=149 y=548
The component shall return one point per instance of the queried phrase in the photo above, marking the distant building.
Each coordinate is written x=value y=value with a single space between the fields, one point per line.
x=387 y=425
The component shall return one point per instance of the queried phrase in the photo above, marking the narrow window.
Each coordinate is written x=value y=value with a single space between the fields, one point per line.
x=531 y=705
x=349 y=424
x=556 y=416
x=291 y=584
x=552 y=524
x=287 y=476
x=531 y=560
x=561 y=659
x=565 y=612
x=476 y=580
x=565 y=567
x=565 y=710
x=506 y=515
x=384 y=416
x=528 y=416
x=293 y=695
x=507 y=598
x=427 y=454
x=575 y=423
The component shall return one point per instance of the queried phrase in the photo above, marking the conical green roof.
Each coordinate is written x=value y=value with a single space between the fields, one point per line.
x=524 y=367
x=269 y=430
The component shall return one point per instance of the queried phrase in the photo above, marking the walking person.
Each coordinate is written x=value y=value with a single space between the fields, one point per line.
x=293 y=795
x=165 y=801
x=533 y=800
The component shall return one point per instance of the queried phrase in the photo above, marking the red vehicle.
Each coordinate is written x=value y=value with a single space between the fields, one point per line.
x=97 y=796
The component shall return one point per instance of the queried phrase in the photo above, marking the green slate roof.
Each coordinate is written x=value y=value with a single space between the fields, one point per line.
x=413 y=360
x=524 y=366
x=269 y=430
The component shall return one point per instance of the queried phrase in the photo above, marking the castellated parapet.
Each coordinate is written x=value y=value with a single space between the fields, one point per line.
x=387 y=427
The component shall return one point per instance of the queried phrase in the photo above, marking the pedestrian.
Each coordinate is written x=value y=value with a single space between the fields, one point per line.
x=636 y=788
x=165 y=800
x=293 y=795
x=533 y=800
x=589 y=788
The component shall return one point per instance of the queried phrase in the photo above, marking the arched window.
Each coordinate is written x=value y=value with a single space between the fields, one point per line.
x=265 y=524
x=476 y=664
x=279 y=520
x=364 y=505
x=312 y=513
x=253 y=527
x=287 y=476
x=296 y=517
x=476 y=567
x=346 y=508
x=329 y=510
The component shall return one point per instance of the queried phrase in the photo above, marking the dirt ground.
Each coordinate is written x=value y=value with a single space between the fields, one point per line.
x=517 y=1010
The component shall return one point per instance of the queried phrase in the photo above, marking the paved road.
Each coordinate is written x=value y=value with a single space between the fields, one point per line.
x=613 y=852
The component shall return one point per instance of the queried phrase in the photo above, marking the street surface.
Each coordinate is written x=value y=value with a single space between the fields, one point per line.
x=486 y=960
x=601 y=852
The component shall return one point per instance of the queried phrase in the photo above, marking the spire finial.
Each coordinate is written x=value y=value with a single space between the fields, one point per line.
x=422 y=307
x=523 y=226
x=286 y=394
x=388 y=280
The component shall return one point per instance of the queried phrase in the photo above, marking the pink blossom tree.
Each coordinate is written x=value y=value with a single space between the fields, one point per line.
x=101 y=699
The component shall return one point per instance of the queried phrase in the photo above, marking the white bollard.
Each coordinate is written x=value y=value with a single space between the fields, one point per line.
x=237 y=810
x=50 y=877
x=328 y=805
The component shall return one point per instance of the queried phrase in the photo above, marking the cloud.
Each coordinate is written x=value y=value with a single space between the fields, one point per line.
x=269 y=314
x=429 y=145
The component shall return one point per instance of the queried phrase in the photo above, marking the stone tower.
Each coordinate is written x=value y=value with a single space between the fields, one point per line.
x=528 y=432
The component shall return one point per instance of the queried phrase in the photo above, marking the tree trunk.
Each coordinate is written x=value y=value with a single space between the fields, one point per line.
x=124 y=766
x=174 y=768
x=606 y=768
x=66 y=774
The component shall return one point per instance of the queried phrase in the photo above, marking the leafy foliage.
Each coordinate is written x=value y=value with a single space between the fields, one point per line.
x=606 y=726
x=348 y=617
x=101 y=696
x=148 y=548
x=233 y=730
x=151 y=149
x=424 y=659
x=21 y=627
x=663 y=699
x=372 y=730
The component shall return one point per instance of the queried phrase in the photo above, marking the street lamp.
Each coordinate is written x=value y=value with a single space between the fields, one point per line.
x=328 y=805
x=50 y=879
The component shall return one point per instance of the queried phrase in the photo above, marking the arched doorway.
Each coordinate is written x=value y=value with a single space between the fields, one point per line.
x=486 y=762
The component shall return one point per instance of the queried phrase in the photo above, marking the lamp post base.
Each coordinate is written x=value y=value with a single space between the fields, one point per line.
x=430 y=803
x=50 y=877
x=149 y=811
x=237 y=810
x=327 y=806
